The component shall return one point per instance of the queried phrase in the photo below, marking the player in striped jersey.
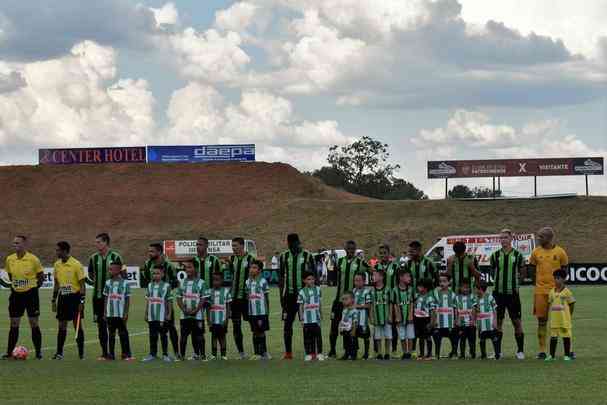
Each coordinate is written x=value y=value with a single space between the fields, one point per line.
x=117 y=295
x=507 y=265
x=422 y=318
x=206 y=265
x=191 y=296
x=156 y=257
x=381 y=315
x=348 y=324
x=157 y=313
x=445 y=313
x=390 y=267
x=461 y=266
x=218 y=313
x=486 y=320
x=239 y=267
x=362 y=303
x=466 y=302
x=98 y=271
x=292 y=264
x=420 y=267
x=309 y=301
x=403 y=308
x=346 y=269
x=258 y=296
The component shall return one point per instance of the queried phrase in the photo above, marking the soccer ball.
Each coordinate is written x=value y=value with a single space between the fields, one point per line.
x=20 y=353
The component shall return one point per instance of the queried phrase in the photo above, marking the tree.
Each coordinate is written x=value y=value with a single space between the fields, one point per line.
x=330 y=176
x=485 y=192
x=461 y=191
x=403 y=190
x=363 y=168
x=363 y=162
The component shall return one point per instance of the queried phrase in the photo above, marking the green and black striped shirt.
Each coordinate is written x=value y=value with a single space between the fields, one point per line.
x=99 y=268
x=239 y=266
x=506 y=267
x=292 y=267
x=170 y=273
x=390 y=270
x=346 y=269
x=425 y=269
x=461 y=270
x=206 y=267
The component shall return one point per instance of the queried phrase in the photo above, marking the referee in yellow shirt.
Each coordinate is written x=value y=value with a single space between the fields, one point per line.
x=26 y=275
x=68 y=297
x=546 y=258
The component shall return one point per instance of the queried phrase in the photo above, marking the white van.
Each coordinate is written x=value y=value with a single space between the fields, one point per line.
x=481 y=246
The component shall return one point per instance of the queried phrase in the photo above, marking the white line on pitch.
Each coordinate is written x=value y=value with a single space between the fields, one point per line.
x=87 y=342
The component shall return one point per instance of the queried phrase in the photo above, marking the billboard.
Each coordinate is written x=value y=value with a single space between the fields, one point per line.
x=136 y=154
x=201 y=153
x=516 y=167
x=132 y=277
x=187 y=248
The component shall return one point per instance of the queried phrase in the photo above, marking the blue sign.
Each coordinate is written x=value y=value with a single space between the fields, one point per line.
x=201 y=153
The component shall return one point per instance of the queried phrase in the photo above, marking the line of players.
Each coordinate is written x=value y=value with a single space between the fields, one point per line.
x=412 y=304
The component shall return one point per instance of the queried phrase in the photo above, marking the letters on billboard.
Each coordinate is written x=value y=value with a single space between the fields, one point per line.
x=516 y=167
x=201 y=153
x=136 y=154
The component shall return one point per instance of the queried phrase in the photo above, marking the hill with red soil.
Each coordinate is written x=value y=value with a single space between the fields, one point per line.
x=140 y=204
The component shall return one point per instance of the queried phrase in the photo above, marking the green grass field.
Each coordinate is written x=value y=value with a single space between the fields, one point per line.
x=246 y=382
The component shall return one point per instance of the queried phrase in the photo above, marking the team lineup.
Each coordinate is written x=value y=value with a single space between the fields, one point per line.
x=405 y=310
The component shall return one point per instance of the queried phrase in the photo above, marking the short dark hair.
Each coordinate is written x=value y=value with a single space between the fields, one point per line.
x=63 y=245
x=415 y=244
x=307 y=274
x=446 y=275
x=292 y=237
x=116 y=263
x=560 y=273
x=190 y=261
x=157 y=246
x=459 y=247
x=402 y=272
x=348 y=293
x=465 y=281
x=483 y=285
x=427 y=284
x=257 y=263
x=350 y=242
x=383 y=273
x=22 y=237
x=358 y=273
x=218 y=274
x=239 y=240
x=104 y=236
x=158 y=267
x=203 y=238
x=385 y=246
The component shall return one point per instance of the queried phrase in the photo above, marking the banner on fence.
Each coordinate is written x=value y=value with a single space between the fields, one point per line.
x=201 y=153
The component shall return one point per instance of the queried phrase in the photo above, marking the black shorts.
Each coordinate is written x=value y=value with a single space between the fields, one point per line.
x=510 y=302
x=20 y=302
x=98 y=308
x=240 y=309
x=67 y=307
x=422 y=327
x=363 y=332
x=218 y=330
x=259 y=323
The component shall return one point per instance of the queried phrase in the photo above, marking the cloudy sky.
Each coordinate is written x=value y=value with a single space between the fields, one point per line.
x=436 y=79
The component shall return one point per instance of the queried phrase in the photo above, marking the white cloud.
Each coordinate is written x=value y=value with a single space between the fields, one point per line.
x=237 y=17
x=166 y=15
x=199 y=114
x=208 y=56
x=70 y=101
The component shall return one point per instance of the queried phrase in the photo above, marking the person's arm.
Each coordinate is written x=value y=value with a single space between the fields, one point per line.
x=90 y=272
x=474 y=271
x=127 y=302
x=147 y=307
x=82 y=295
x=228 y=312
x=169 y=309
x=449 y=269
x=564 y=259
x=144 y=276
x=281 y=280
x=55 y=291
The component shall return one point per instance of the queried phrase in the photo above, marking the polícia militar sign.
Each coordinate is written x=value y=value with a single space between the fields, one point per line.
x=201 y=153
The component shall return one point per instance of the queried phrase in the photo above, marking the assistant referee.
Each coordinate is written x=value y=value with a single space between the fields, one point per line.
x=69 y=294
x=26 y=275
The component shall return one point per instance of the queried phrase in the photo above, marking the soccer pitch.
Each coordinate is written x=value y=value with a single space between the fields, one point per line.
x=361 y=382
